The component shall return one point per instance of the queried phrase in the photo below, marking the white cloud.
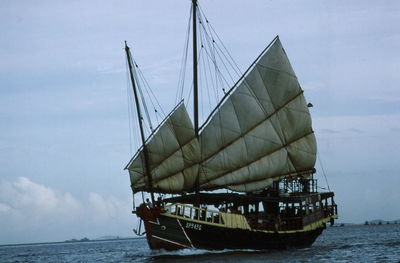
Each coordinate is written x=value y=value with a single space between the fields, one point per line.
x=107 y=209
x=24 y=196
x=27 y=207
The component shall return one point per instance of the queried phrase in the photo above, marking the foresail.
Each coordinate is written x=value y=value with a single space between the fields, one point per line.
x=261 y=132
x=173 y=152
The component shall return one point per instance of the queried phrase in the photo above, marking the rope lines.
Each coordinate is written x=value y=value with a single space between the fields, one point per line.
x=146 y=95
x=217 y=71
x=323 y=171
x=182 y=72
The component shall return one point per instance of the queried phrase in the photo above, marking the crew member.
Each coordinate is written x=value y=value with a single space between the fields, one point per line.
x=149 y=204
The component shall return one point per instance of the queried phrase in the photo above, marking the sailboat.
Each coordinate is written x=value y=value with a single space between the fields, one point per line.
x=257 y=143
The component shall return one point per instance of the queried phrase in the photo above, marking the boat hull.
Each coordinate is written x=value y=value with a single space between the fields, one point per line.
x=169 y=233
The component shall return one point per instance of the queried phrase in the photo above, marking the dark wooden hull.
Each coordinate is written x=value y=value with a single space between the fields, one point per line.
x=169 y=233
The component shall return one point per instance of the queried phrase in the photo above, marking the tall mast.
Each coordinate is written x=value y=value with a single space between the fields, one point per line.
x=195 y=82
x=195 y=92
x=145 y=153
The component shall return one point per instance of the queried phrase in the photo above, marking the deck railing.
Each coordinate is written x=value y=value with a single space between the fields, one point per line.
x=195 y=213
x=231 y=220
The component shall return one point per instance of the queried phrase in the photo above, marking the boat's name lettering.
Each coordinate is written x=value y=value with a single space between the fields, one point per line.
x=193 y=226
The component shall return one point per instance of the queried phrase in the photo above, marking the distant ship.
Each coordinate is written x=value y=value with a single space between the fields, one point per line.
x=258 y=142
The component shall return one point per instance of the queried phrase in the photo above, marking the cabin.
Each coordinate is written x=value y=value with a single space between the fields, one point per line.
x=286 y=205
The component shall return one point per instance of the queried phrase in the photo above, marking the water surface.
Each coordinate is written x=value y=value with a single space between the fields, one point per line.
x=379 y=243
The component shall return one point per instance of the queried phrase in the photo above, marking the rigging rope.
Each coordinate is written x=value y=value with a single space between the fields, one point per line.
x=141 y=84
x=219 y=39
x=134 y=138
x=214 y=43
x=206 y=65
x=182 y=72
x=129 y=108
x=198 y=60
x=215 y=67
x=214 y=87
x=207 y=90
x=323 y=171
x=142 y=97
x=220 y=75
x=149 y=91
x=211 y=47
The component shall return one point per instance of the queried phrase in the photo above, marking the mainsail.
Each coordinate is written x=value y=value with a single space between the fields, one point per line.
x=174 y=154
x=261 y=132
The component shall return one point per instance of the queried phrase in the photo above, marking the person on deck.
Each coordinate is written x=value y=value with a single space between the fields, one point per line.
x=149 y=204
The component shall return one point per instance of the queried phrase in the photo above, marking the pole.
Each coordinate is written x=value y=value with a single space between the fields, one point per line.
x=195 y=80
x=195 y=92
x=145 y=153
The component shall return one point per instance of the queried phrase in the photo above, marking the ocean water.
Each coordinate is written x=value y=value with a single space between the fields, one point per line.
x=379 y=243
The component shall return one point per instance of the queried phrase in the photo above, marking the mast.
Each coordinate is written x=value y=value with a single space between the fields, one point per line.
x=195 y=82
x=195 y=92
x=145 y=153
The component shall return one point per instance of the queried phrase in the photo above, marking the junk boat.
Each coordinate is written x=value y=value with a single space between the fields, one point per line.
x=244 y=179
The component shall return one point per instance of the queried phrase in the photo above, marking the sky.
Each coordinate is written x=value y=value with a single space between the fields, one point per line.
x=64 y=123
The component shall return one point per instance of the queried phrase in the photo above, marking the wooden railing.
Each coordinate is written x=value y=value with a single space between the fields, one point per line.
x=281 y=222
x=195 y=213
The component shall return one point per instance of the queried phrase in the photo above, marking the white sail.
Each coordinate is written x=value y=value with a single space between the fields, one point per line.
x=261 y=132
x=173 y=152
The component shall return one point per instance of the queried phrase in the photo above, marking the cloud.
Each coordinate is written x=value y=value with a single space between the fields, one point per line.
x=107 y=209
x=26 y=197
x=27 y=207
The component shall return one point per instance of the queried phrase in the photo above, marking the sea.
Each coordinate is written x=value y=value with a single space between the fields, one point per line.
x=353 y=243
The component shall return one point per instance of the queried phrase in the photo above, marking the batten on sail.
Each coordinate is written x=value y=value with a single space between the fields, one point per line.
x=261 y=132
x=173 y=156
